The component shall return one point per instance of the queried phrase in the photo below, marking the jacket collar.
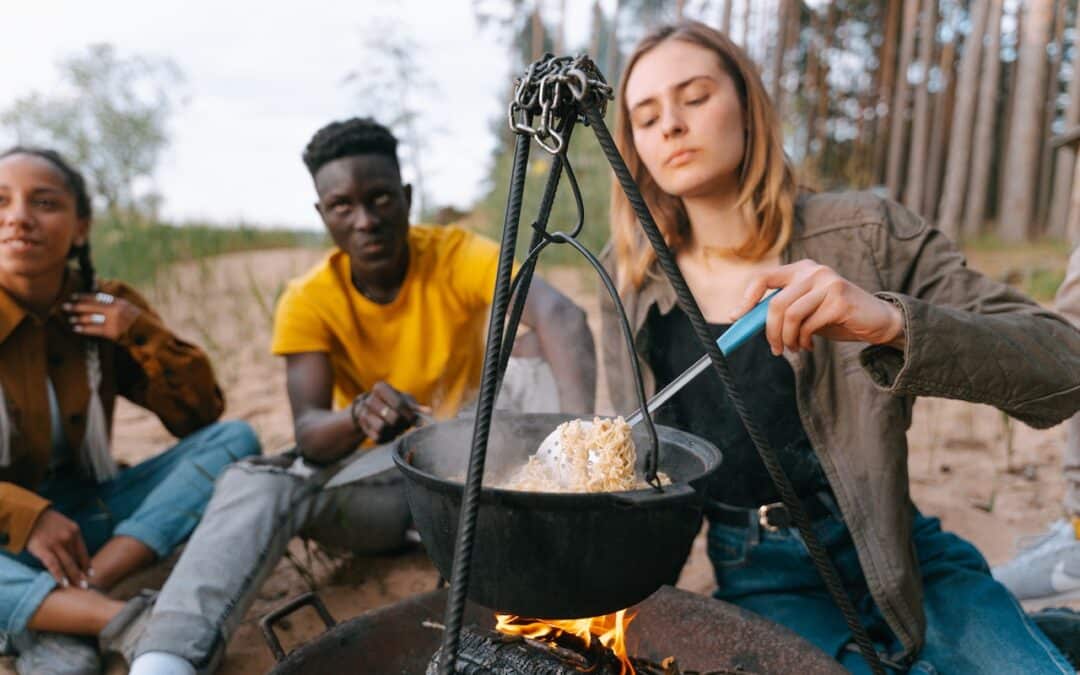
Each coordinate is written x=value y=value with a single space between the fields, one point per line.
x=12 y=313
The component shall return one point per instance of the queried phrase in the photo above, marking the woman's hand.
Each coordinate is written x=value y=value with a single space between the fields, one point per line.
x=815 y=300
x=101 y=315
x=57 y=542
x=384 y=412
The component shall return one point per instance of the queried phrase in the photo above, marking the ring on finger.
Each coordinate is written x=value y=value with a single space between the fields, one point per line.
x=384 y=411
x=105 y=298
x=97 y=319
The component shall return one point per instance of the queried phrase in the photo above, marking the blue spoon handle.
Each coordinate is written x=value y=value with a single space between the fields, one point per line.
x=748 y=325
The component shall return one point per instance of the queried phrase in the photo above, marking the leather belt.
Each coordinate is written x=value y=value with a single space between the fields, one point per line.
x=769 y=517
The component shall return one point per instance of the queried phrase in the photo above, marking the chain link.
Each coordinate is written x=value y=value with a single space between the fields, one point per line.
x=553 y=89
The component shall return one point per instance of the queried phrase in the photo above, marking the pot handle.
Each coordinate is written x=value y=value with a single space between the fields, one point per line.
x=647 y=497
x=266 y=624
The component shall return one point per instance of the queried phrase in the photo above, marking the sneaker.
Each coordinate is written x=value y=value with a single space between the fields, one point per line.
x=1048 y=566
x=121 y=634
x=55 y=654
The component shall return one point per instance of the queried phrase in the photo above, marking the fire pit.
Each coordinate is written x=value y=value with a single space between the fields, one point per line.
x=702 y=634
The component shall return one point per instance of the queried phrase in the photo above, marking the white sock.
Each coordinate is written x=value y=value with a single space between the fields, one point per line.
x=161 y=663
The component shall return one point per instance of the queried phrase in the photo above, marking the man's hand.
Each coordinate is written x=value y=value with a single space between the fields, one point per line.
x=57 y=542
x=101 y=315
x=815 y=300
x=384 y=412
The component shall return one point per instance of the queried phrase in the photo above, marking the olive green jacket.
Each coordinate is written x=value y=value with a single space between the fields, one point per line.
x=968 y=337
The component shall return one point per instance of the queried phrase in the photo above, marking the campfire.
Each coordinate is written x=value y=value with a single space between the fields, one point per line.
x=595 y=645
x=608 y=630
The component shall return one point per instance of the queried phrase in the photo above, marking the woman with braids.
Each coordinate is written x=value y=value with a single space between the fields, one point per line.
x=72 y=522
x=874 y=308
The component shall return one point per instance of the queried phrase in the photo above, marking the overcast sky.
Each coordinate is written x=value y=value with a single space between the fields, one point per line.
x=261 y=78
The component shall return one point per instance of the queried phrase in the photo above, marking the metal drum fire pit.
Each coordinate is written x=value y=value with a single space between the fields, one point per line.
x=701 y=633
x=552 y=555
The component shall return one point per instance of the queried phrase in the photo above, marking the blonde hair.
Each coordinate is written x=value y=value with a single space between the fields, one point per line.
x=767 y=181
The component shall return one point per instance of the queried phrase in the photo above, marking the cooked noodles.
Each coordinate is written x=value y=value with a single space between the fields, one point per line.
x=596 y=457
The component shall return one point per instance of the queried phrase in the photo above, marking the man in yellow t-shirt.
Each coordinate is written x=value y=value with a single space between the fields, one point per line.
x=388 y=325
x=394 y=319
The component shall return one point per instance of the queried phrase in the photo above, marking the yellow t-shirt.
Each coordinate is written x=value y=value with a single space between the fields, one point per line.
x=428 y=342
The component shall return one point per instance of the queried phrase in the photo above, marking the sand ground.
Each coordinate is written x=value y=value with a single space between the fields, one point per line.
x=987 y=479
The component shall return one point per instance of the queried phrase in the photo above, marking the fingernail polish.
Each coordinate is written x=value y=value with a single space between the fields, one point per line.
x=90 y=572
x=84 y=584
x=66 y=306
x=64 y=582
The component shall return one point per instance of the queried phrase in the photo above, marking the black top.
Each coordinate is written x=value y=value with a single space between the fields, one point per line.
x=767 y=385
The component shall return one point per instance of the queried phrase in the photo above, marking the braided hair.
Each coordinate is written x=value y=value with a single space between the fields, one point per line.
x=77 y=184
x=356 y=136
x=95 y=456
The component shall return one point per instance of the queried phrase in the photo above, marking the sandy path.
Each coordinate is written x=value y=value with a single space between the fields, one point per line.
x=961 y=468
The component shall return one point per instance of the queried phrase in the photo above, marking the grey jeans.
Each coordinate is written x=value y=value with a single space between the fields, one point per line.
x=259 y=505
x=1068 y=305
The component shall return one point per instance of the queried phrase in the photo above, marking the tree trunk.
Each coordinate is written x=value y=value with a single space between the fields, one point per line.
x=536 y=35
x=943 y=107
x=1072 y=230
x=983 y=151
x=725 y=20
x=1022 y=150
x=597 y=26
x=810 y=79
x=1066 y=154
x=747 y=7
x=560 y=35
x=898 y=111
x=777 y=70
x=1053 y=87
x=821 y=128
x=791 y=38
x=887 y=70
x=957 y=164
x=612 y=65
x=1008 y=76
x=920 y=131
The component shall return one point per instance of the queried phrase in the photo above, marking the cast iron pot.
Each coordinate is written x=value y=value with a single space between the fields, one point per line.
x=547 y=555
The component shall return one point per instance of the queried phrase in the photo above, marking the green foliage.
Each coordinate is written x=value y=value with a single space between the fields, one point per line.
x=594 y=177
x=137 y=251
x=109 y=119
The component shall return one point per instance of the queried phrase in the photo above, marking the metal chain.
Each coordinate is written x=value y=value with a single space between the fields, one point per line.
x=552 y=89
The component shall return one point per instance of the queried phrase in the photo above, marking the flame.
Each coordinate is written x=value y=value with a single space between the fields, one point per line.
x=609 y=629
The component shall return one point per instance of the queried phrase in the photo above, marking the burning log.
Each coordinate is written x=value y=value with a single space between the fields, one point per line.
x=492 y=653
x=483 y=652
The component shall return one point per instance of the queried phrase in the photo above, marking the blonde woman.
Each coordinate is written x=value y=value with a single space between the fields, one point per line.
x=875 y=308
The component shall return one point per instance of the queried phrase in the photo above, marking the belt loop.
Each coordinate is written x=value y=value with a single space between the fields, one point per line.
x=753 y=529
x=830 y=503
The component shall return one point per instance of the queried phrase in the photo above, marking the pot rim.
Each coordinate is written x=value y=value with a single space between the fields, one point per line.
x=676 y=492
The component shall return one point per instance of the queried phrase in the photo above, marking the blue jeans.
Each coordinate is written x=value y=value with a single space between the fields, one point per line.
x=158 y=502
x=974 y=625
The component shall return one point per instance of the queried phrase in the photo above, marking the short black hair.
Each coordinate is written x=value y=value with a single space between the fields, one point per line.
x=71 y=175
x=356 y=136
x=77 y=183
